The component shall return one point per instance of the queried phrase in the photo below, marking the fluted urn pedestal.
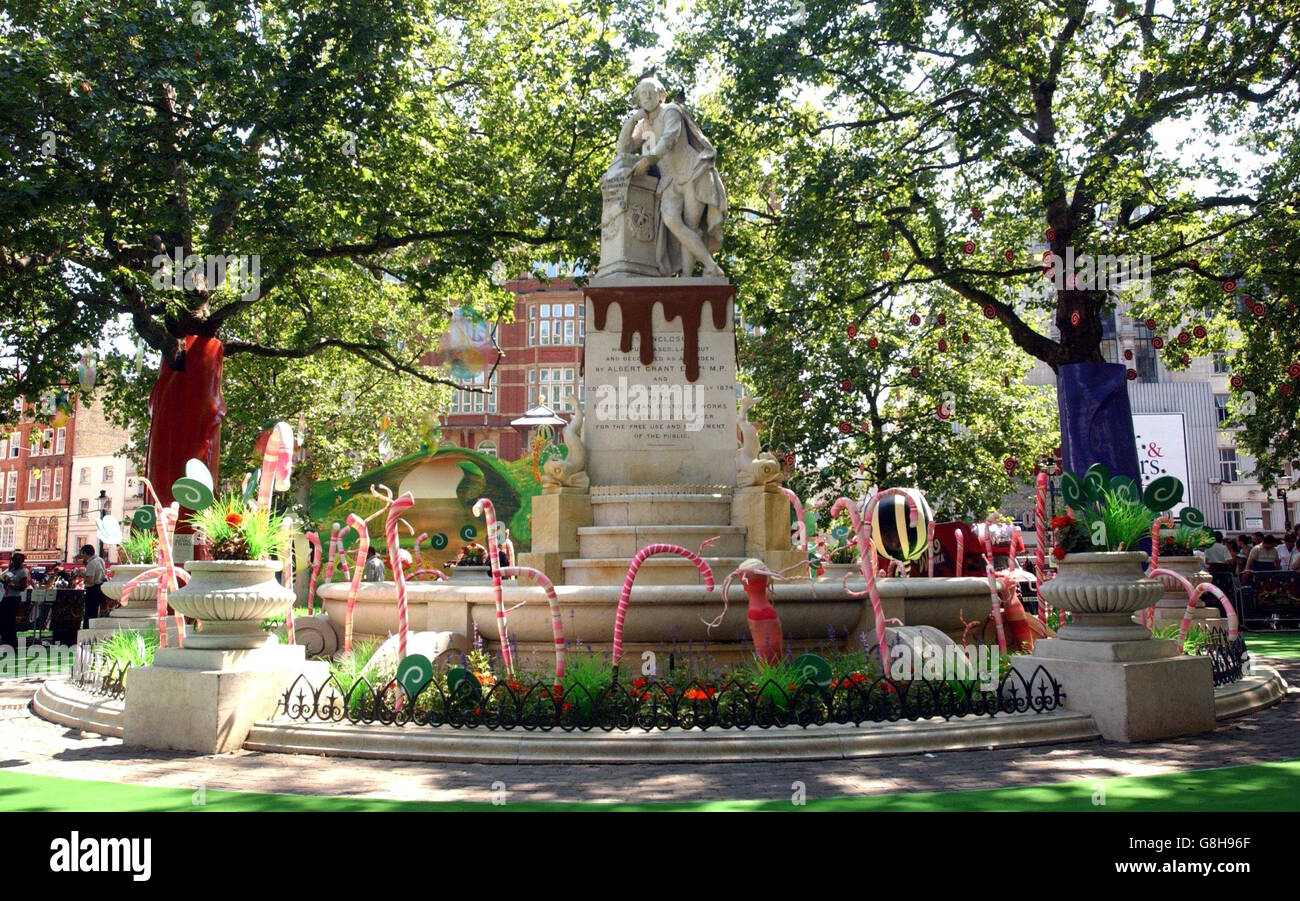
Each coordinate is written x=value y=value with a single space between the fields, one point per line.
x=207 y=695
x=1136 y=688
x=138 y=611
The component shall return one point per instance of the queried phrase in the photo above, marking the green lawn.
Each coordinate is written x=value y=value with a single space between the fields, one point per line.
x=1258 y=787
x=1274 y=644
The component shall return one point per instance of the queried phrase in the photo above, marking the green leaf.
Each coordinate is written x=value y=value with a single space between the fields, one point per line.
x=1162 y=494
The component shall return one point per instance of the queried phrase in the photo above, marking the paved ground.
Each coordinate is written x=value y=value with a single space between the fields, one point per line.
x=29 y=744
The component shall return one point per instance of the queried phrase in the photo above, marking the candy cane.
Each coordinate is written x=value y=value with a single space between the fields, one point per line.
x=557 y=623
x=929 y=540
x=363 y=545
x=1194 y=593
x=961 y=551
x=866 y=564
x=802 y=525
x=642 y=555
x=334 y=538
x=288 y=581
x=417 y=564
x=1040 y=528
x=277 y=464
x=313 y=539
x=986 y=535
x=399 y=575
x=1155 y=537
x=483 y=507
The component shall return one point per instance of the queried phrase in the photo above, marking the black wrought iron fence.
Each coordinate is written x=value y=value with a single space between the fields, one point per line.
x=99 y=675
x=1229 y=658
x=658 y=705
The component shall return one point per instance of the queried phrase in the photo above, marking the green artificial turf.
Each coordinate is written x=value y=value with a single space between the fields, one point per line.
x=1273 y=644
x=1258 y=787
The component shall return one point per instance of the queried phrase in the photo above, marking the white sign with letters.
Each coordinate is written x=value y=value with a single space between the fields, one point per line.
x=1162 y=450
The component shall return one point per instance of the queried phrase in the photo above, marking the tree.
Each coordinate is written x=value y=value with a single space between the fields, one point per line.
x=965 y=144
x=333 y=149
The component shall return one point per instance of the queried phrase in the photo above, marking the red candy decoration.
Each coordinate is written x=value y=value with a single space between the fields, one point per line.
x=873 y=342
x=1199 y=332
x=968 y=248
x=965 y=338
x=1009 y=256
x=1286 y=389
x=1293 y=370
x=943 y=346
x=1236 y=381
x=1128 y=354
x=1151 y=325
x=1132 y=374
x=941 y=319
x=884 y=255
x=1050 y=235
x=916 y=372
x=914 y=319
x=846 y=385
x=1010 y=464
x=990 y=312
x=1075 y=319
x=845 y=428
x=852 y=332
x=1157 y=342
x=1184 y=339
x=1229 y=285
x=1257 y=309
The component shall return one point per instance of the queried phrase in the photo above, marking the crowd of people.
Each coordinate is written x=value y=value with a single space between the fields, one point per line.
x=1249 y=553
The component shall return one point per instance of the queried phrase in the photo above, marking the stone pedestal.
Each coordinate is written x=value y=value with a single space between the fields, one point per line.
x=557 y=516
x=207 y=700
x=765 y=516
x=1134 y=690
x=660 y=374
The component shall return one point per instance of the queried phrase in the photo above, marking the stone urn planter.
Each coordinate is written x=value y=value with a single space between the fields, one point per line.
x=231 y=598
x=1102 y=591
x=143 y=596
x=470 y=573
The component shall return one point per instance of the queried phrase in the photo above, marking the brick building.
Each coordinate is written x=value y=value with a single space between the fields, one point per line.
x=542 y=358
x=100 y=478
x=35 y=469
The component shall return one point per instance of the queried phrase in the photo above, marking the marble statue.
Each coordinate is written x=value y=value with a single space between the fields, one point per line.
x=663 y=202
x=754 y=468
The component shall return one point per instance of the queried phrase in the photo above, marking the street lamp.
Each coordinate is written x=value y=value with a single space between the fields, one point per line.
x=1284 y=483
x=103 y=510
x=1053 y=466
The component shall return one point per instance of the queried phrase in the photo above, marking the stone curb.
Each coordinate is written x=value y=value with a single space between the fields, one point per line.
x=67 y=705
x=1264 y=688
x=445 y=744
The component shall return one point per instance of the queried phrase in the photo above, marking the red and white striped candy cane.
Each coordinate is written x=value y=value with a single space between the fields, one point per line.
x=986 y=534
x=483 y=507
x=642 y=555
x=557 y=623
x=363 y=545
x=395 y=509
x=289 y=582
x=929 y=540
x=1194 y=593
x=277 y=464
x=1149 y=618
x=342 y=555
x=417 y=564
x=1040 y=528
x=802 y=524
x=329 y=565
x=313 y=539
x=866 y=565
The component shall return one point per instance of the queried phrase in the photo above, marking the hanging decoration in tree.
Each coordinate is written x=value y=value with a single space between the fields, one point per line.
x=86 y=372
x=466 y=347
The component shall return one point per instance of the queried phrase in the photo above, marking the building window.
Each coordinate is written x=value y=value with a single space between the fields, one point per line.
x=108 y=474
x=33 y=532
x=487 y=447
x=32 y=482
x=60 y=440
x=1228 y=465
x=554 y=386
x=1220 y=359
x=7 y=533
x=83 y=507
x=45 y=486
x=11 y=491
x=1221 y=409
x=1232 y=521
x=58 y=484
x=85 y=475
x=15 y=443
x=466 y=401
x=1147 y=356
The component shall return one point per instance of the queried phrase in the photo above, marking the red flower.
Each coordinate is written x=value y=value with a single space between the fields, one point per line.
x=234 y=518
x=1058 y=552
x=639 y=682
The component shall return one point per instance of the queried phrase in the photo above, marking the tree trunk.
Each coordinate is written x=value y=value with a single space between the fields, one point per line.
x=185 y=413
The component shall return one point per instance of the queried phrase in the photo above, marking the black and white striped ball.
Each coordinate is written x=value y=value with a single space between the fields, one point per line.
x=899 y=525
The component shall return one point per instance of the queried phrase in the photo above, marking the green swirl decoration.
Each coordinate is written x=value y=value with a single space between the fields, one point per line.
x=438 y=541
x=1192 y=517
x=1162 y=494
x=145 y=518
x=192 y=493
x=1124 y=487
x=1072 y=491
x=468 y=532
x=1095 y=481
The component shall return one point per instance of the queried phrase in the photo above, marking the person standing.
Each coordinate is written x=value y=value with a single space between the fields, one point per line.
x=1217 y=556
x=1263 y=556
x=374 y=571
x=1286 y=551
x=96 y=575
x=15 y=580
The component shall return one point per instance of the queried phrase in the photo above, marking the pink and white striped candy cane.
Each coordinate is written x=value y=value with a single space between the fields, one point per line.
x=363 y=545
x=802 y=525
x=986 y=534
x=289 y=582
x=642 y=555
x=277 y=464
x=417 y=563
x=557 y=623
x=483 y=507
x=866 y=564
x=395 y=509
x=1040 y=529
x=929 y=540
x=961 y=552
x=1149 y=617
x=334 y=543
x=1194 y=593
x=342 y=555
x=313 y=539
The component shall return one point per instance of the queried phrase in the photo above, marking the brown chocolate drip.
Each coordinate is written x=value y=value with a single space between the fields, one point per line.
x=637 y=320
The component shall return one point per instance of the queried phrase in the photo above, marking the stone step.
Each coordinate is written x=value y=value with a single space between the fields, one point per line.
x=625 y=541
x=660 y=506
x=665 y=569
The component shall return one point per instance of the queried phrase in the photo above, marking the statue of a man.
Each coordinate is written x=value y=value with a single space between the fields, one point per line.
x=692 y=200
